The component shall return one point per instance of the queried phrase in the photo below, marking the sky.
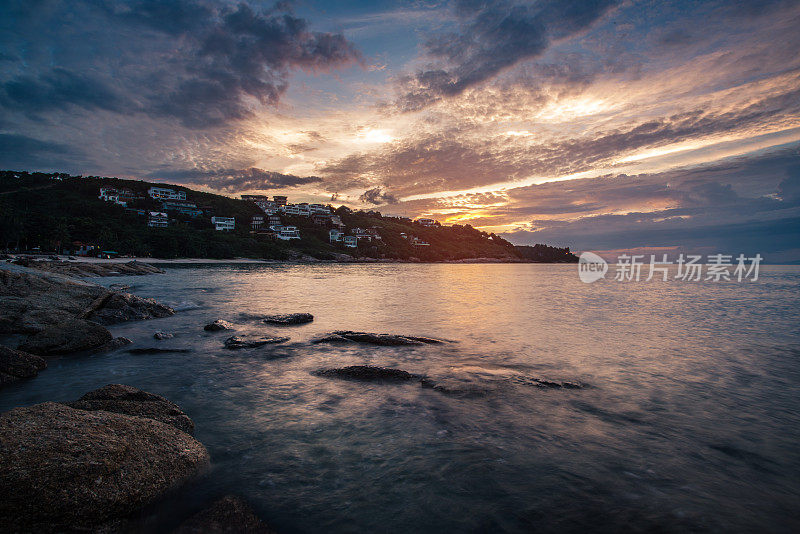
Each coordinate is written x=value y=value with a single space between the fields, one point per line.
x=600 y=125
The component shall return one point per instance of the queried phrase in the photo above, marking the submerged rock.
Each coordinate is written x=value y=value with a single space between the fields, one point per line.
x=229 y=515
x=369 y=373
x=289 y=319
x=64 y=469
x=72 y=335
x=163 y=335
x=550 y=384
x=245 y=342
x=155 y=350
x=128 y=400
x=346 y=336
x=16 y=365
x=218 y=325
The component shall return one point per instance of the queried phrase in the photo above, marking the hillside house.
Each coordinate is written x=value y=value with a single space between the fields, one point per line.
x=426 y=222
x=350 y=241
x=164 y=193
x=256 y=222
x=335 y=236
x=157 y=219
x=223 y=223
x=184 y=208
x=287 y=233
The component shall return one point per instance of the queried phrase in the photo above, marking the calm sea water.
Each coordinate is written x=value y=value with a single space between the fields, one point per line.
x=692 y=420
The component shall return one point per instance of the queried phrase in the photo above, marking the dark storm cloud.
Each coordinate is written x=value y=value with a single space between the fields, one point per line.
x=234 y=180
x=377 y=196
x=195 y=61
x=493 y=36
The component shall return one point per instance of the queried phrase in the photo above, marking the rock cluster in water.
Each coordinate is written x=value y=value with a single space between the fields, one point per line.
x=63 y=315
x=347 y=336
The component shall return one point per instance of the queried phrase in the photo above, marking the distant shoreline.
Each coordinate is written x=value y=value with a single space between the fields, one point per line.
x=308 y=260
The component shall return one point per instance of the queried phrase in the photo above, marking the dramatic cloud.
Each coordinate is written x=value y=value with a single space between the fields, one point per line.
x=493 y=36
x=233 y=180
x=195 y=61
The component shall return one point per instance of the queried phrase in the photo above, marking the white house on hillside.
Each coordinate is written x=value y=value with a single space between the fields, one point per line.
x=224 y=223
x=157 y=219
x=163 y=193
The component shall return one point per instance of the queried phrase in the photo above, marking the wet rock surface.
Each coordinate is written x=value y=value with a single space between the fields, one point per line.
x=288 y=319
x=163 y=335
x=228 y=515
x=71 y=335
x=347 y=336
x=218 y=325
x=64 y=469
x=17 y=365
x=128 y=400
x=369 y=373
x=247 y=342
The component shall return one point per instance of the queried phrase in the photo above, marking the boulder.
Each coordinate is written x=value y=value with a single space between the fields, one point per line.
x=218 y=325
x=229 y=515
x=16 y=365
x=31 y=302
x=63 y=469
x=346 y=336
x=163 y=335
x=370 y=373
x=114 y=344
x=121 y=307
x=246 y=342
x=73 y=335
x=289 y=319
x=128 y=400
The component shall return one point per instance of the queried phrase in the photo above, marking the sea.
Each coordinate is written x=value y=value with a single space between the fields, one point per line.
x=688 y=418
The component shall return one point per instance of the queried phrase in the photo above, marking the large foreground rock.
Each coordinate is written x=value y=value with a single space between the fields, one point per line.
x=229 y=515
x=16 y=365
x=63 y=469
x=347 y=336
x=128 y=400
x=71 y=335
x=31 y=302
